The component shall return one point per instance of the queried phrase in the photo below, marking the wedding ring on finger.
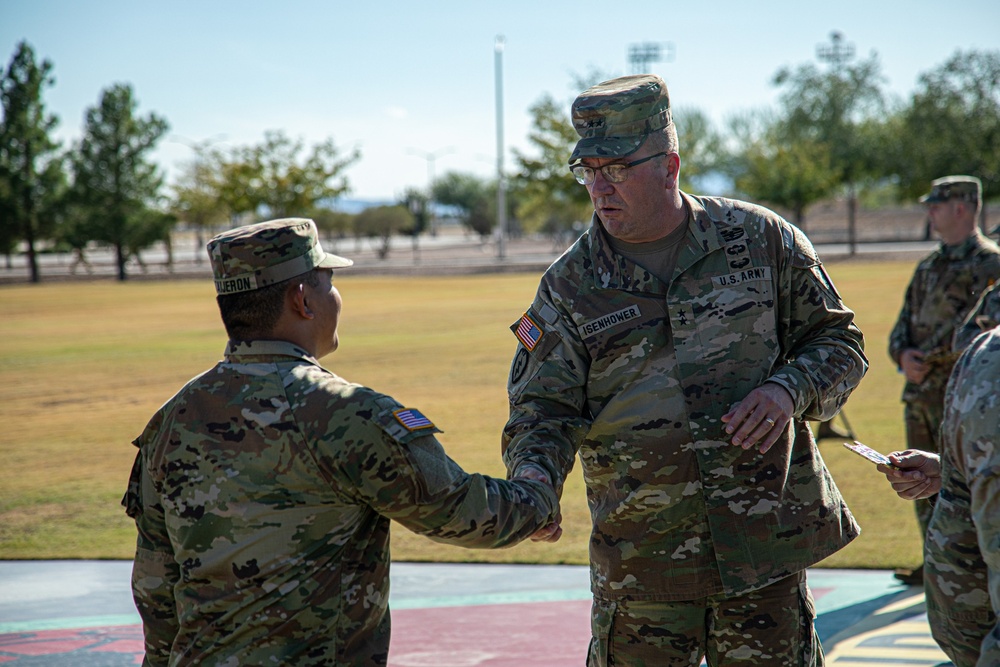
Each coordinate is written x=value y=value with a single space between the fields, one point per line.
x=770 y=422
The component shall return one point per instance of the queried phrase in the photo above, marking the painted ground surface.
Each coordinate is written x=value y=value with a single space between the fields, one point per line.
x=80 y=614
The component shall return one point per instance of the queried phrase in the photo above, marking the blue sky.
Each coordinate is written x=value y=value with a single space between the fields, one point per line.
x=404 y=80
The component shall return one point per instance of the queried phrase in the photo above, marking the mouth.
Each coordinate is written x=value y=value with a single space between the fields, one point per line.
x=607 y=207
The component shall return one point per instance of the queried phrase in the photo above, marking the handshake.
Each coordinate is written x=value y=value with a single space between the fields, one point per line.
x=553 y=531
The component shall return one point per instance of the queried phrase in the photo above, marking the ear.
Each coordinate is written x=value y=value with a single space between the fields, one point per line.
x=673 y=162
x=296 y=297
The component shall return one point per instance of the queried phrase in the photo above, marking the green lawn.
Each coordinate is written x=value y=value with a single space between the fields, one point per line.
x=83 y=365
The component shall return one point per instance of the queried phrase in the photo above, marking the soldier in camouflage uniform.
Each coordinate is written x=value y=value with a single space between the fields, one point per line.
x=944 y=288
x=677 y=348
x=262 y=492
x=962 y=551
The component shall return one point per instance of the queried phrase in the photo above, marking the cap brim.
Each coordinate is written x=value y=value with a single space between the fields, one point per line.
x=331 y=261
x=931 y=199
x=605 y=147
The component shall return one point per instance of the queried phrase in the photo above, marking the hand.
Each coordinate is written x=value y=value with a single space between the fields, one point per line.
x=553 y=531
x=911 y=361
x=916 y=474
x=761 y=417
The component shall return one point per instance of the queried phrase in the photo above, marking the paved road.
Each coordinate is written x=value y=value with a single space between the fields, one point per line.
x=80 y=614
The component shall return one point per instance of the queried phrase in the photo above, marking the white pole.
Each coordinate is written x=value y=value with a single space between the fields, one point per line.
x=501 y=182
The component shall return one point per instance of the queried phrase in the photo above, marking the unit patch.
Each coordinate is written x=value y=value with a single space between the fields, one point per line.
x=606 y=321
x=411 y=419
x=739 y=277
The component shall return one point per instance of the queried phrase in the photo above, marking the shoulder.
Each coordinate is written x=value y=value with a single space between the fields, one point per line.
x=771 y=230
x=571 y=270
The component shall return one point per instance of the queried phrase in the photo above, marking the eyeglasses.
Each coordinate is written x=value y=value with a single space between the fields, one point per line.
x=614 y=173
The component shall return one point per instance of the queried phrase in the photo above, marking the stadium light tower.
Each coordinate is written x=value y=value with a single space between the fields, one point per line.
x=640 y=55
x=837 y=52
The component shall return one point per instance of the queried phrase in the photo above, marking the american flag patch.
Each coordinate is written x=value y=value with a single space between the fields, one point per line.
x=528 y=332
x=411 y=419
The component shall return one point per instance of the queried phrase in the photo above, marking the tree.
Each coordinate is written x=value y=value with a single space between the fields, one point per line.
x=952 y=125
x=551 y=199
x=474 y=197
x=274 y=178
x=789 y=175
x=198 y=198
x=31 y=171
x=701 y=147
x=383 y=222
x=838 y=108
x=114 y=183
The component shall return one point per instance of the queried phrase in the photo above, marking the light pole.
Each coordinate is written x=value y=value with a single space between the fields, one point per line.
x=431 y=157
x=640 y=55
x=501 y=183
x=838 y=53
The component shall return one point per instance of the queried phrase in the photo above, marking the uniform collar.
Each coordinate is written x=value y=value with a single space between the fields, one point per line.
x=613 y=271
x=245 y=350
x=964 y=249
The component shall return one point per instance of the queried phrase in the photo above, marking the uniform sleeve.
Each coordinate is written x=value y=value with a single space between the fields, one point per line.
x=901 y=336
x=399 y=468
x=547 y=392
x=823 y=348
x=984 y=316
x=154 y=571
x=975 y=395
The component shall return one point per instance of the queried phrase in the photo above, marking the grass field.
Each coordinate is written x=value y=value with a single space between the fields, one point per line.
x=84 y=365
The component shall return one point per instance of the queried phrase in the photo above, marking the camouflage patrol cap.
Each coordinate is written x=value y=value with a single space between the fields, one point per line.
x=255 y=256
x=967 y=188
x=613 y=118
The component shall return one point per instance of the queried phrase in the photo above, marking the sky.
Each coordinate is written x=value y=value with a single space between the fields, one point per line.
x=413 y=85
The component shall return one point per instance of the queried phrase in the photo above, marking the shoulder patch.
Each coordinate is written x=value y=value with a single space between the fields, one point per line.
x=528 y=332
x=412 y=419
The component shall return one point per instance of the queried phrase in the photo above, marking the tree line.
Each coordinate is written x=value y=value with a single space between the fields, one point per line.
x=834 y=132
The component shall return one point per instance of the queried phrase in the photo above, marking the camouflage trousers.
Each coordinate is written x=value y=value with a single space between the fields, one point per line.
x=923 y=425
x=772 y=626
x=957 y=588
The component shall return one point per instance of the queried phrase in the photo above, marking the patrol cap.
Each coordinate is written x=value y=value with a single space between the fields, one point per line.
x=255 y=256
x=613 y=118
x=967 y=188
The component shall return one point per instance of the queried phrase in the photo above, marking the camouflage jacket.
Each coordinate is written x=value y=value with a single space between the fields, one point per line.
x=678 y=511
x=262 y=493
x=944 y=288
x=962 y=542
x=983 y=317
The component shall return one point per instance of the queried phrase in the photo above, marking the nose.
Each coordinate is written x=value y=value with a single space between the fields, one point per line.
x=601 y=184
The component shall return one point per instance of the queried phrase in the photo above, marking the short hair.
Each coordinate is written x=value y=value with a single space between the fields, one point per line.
x=664 y=140
x=253 y=315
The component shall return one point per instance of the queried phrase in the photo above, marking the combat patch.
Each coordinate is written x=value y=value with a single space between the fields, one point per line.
x=603 y=322
x=412 y=419
x=738 y=277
